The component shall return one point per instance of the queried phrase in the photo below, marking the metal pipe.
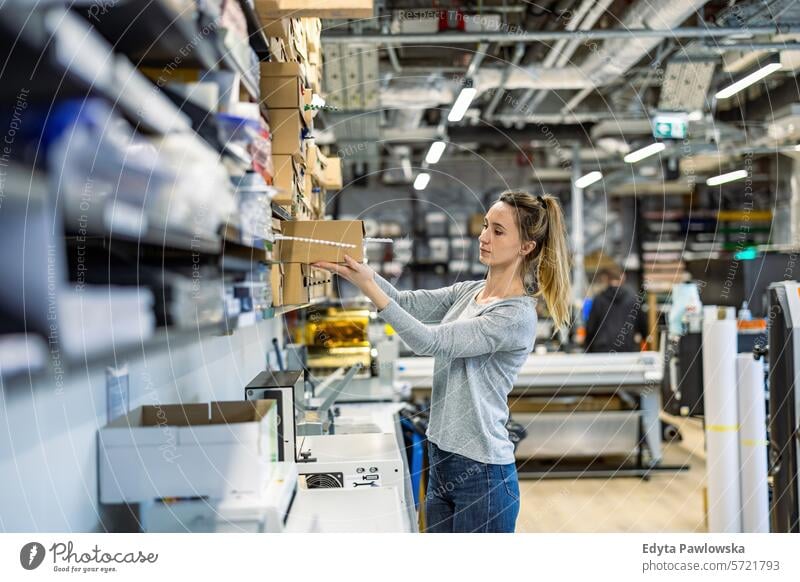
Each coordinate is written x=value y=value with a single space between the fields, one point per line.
x=576 y=100
x=519 y=52
x=391 y=52
x=477 y=59
x=755 y=46
x=556 y=51
x=538 y=36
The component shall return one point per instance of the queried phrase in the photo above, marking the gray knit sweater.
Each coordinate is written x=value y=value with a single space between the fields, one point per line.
x=478 y=351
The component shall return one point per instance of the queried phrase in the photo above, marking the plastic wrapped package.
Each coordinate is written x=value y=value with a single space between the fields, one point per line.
x=106 y=175
x=255 y=209
x=199 y=197
x=250 y=133
x=261 y=151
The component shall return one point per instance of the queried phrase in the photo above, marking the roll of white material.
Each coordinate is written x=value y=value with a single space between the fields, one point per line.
x=722 y=421
x=753 y=444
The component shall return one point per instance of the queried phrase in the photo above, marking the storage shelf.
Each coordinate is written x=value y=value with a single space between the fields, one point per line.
x=258 y=41
x=280 y=213
x=284 y=309
x=230 y=63
x=153 y=33
x=164 y=338
x=56 y=54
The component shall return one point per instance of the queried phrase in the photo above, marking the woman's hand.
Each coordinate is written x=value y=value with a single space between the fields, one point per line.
x=358 y=274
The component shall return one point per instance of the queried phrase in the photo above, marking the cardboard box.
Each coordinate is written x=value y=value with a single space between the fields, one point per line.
x=276 y=282
x=283 y=70
x=332 y=176
x=287 y=178
x=287 y=129
x=314 y=161
x=277 y=50
x=282 y=28
x=327 y=9
x=313 y=28
x=188 y=450
x=295 y=284
x=282 y=92
x=349 y=232
x=302 y=283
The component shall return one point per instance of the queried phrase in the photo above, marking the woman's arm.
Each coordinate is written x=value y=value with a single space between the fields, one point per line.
x=497 y=329
x=428 y=305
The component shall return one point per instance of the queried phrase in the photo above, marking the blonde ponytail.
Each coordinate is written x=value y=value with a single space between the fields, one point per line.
x=541 y=220
x=554 y=265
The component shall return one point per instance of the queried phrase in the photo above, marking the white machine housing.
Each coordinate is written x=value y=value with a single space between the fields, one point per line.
x=284 y=388
x=236 y=513
x=351 y=461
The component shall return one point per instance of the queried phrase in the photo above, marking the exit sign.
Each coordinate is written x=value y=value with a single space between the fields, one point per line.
x=670 y=125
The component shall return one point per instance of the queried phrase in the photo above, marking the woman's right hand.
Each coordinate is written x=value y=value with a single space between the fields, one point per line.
x=359 y=274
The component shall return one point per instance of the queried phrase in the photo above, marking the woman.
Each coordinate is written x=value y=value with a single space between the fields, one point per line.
x=480 y=334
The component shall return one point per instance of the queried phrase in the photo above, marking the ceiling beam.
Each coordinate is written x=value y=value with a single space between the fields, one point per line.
x=453 y=38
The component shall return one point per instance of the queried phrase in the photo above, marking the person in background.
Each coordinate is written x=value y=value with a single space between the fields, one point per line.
x=480 y=333
x=616 y=317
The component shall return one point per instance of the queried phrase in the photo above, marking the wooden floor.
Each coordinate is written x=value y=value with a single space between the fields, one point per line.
x=668 y=502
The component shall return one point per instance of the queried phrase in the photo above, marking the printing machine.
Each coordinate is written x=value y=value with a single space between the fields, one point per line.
x=367 y=510
x=266 y=512
x=587 y=406
x=784 y=406
x=283 y=507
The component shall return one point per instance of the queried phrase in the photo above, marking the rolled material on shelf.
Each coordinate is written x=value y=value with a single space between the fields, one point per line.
x=722 y=421
x=753 y=444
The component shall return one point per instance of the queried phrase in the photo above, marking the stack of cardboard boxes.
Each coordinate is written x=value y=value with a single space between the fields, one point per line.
x=302 y=174
x=284 y=91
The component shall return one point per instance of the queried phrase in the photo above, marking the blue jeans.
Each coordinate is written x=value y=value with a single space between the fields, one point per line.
x=467 y=496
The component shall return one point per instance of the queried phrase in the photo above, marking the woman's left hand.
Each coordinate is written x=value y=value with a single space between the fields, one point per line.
x=357 y=273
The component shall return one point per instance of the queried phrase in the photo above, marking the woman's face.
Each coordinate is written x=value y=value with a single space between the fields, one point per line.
x=500 y=243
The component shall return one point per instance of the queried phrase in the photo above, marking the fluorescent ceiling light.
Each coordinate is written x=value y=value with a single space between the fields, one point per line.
x=422 y=181
x=797 y=148
x=435 y=152
x=588 y=179
x=645 y=152
x=462 y=104
x=725 y=178
x=750 y=79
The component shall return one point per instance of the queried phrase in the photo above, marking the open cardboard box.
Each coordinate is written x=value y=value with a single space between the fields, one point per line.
x=349 y=232
x=188 y=450
x=282 y=28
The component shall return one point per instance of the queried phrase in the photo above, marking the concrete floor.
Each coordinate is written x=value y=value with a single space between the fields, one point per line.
x=669 y=502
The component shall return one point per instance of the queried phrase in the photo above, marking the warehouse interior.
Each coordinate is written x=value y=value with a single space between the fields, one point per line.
x=173 y=173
